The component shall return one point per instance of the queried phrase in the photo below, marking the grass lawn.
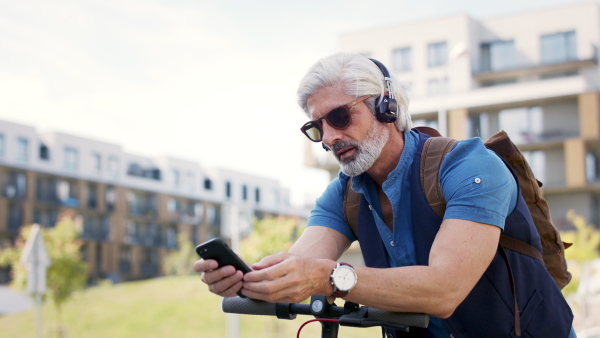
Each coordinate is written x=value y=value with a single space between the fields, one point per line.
x=164 y=307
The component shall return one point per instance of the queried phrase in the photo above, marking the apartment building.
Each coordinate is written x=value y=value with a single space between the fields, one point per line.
x=132 y=207
x=534 y=75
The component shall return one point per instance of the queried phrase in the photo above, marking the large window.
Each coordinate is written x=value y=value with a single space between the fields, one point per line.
x=70 y=159
x=524 y=125
x=15 y=185
x=22 y=150
x=67 y=193
x=558 y=47
x=498 y=55
x=437 y=54
x=402 y=59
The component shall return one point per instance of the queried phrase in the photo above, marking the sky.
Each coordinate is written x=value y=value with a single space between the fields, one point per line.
x=211 y=81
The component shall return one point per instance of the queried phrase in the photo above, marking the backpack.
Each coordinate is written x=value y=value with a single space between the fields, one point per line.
x=434 y=151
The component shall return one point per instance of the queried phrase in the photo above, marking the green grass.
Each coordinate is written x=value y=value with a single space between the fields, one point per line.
x=164 y=307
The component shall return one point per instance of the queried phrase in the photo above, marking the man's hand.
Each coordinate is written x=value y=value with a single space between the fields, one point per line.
x=285 y=277
x=225 y=281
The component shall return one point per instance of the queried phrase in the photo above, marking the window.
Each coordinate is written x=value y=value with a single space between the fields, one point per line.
x=524 y=125
x=97 y=162
x=592 y=169
x=437 y=86
x=67 y=193
x=44 y=152
x=402 y=59
x=189 y=181
x=172 y=205
x=1 y=146
x=257 y=195
x=110 y=197
x=228 y=189
x=558 y=47
x=437 y=54
x=14 y=217
x=22 y=150
x=125 y=260
x=16 y=185
x=244 y=192
x=537 y=162
x=479 y=125
x=207 y=184
x=46 y=189
x=498 y=55
x=70 y=159
x=92 y=196
x=113 y=167
x=176 y=178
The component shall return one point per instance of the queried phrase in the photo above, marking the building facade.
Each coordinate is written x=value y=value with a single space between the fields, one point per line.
x=131 y=208
x=534 y=75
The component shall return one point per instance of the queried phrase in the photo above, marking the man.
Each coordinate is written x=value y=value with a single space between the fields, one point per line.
x=357 y=113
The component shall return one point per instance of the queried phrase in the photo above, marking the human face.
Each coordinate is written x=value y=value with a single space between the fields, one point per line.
x=356 y=147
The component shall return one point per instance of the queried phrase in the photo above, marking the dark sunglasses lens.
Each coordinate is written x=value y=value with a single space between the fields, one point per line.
x=313 y=131
x=339 y=118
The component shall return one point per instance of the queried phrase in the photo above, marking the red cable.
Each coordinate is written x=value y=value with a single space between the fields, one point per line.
x=315 y=320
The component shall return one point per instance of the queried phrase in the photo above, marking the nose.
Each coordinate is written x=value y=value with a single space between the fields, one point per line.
x=330 y=134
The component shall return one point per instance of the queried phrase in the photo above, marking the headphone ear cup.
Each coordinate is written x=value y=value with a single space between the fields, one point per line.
x=386 y=111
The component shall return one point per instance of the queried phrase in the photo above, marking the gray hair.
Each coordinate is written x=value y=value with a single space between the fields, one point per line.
x=360 y=77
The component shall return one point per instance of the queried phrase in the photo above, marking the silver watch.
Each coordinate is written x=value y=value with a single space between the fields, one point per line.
x=343 y=279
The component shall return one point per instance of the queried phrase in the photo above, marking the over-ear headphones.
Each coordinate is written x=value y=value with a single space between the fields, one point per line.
x=387 y=110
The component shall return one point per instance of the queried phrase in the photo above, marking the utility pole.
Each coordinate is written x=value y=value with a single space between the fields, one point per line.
x=36 y=260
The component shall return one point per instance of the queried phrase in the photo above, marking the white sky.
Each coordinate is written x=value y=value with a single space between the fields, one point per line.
x=212 y=81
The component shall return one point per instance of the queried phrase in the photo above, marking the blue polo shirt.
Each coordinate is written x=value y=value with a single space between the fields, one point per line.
x=475 y=182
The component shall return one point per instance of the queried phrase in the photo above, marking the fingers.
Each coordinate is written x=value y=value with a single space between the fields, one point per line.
x=271 y=260
x=228 y=286
x=205 y=265
x=225 y=281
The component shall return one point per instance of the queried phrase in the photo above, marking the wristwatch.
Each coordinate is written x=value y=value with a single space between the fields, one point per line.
x=343 y=279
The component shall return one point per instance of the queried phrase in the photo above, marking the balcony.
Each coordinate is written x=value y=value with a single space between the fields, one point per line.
x=484 y=74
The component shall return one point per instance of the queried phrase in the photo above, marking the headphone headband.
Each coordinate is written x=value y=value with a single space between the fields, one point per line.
x=387 y=110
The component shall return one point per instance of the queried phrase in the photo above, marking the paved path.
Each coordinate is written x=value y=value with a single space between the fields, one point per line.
x=12 y=301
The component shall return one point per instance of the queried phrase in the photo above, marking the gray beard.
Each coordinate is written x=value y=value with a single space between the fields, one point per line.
x=367 y=150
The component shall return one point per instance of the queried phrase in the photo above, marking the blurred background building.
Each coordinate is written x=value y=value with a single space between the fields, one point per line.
x=534 y=75
x=132 y=207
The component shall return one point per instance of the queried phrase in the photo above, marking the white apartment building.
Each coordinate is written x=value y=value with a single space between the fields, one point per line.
x=133 y=207
x=534 y=75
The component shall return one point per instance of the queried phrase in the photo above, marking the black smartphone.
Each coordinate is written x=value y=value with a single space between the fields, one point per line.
x=218 y=250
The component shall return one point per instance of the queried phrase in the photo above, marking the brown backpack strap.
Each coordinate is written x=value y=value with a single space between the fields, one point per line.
x=434 y=151
x=351 y=200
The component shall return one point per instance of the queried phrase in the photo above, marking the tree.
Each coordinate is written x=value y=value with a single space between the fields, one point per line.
x=270 y=235
x=180 y=262
x=67 y=272
x=586 y=242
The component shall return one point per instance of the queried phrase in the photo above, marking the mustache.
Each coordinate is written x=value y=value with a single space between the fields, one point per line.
x=344 y=144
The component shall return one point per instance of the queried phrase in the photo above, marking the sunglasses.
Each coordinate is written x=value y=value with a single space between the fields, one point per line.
x=339 y=118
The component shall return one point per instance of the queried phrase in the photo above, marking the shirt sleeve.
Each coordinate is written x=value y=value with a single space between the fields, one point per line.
x=329 y=209
x=477 y=185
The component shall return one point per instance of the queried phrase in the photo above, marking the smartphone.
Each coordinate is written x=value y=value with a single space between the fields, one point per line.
x=218 y=250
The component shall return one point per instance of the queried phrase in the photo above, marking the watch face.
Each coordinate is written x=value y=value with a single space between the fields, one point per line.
x=344 y=278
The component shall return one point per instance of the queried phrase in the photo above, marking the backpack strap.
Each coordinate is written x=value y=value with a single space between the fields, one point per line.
x=351 y=201
x=434 y=151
